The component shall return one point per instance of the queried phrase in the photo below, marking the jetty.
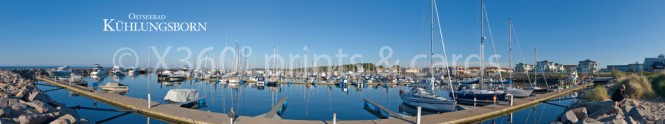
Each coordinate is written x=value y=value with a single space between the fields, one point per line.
x=178 y=114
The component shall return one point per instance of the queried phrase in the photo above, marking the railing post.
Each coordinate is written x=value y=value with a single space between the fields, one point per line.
x=334 y=118
x=418 y=115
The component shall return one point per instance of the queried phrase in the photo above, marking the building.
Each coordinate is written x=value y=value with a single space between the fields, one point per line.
x=521 y=68
x=658 y=67
x=648 y=62
x=569 y=68
x=548 y=66
x=622 y=68
x=587 y=66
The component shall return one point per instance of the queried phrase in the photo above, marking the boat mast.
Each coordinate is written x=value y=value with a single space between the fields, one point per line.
x=535 y=66
x=431 y=46
x=510 y=49
x=482 y=42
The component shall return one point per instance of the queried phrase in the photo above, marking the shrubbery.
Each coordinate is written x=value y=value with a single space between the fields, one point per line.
x=658 y=82
x=598 y=93
x=637 y=87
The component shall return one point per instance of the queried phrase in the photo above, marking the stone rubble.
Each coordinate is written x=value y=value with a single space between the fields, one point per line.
x=21 y=102
x=629 y=112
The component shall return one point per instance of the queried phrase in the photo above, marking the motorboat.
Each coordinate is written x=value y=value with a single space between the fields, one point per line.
x=63 y=71
x=118 y=71
x=73 y=79
x=114 y=86
x=418 y=96
x=98 y=70
x=131 y=71
x=261 y=81
x=188 y=98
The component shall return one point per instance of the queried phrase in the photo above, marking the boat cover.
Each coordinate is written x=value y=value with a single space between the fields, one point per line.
x=181 y=95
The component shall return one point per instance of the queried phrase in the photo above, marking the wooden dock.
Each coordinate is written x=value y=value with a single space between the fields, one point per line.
x=177 y=114
x=279 y=107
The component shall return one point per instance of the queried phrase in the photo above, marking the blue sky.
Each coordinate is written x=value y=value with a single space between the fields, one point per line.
x=565 y=31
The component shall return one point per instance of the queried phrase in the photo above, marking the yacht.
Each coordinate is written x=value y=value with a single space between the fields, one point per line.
x=63 y=71
x=418 y=96
x=98 y=70
x=117 y=70
x=131 y=71
x=515 y=92
x=469 y=93
x=261 y=81
x=114 y=86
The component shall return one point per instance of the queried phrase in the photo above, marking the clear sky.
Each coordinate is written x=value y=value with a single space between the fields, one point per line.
x=565 y=31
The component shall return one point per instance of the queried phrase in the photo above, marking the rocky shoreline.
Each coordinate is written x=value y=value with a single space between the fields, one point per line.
x=629 y=112
x=22 y=102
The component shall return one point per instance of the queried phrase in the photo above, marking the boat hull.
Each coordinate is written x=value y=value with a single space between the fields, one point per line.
x=519 y=93
x=432 y=105
x=480 y=99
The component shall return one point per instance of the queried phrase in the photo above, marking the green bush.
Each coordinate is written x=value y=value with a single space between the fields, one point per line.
x=598 y=93
x=616 y=74
x=637 y=87
x=658 y=82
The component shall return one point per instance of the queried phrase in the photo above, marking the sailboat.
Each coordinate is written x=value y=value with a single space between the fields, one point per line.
x=419 y=96
x=516 y=92
x=534 y=86
x=471 y=94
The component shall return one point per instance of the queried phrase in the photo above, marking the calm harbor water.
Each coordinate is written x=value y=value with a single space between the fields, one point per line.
x=304 y=102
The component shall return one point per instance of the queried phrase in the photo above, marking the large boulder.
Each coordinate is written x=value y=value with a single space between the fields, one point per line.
x=638 y=114
x=7 y=121
x=40 y=106
x=580 y=113
x=660 y=121
x=605 y=112
x=34 y=118
x=592 y=107
x=6 y=112
x=65 y=119
x=630 y=120
x=4 y=101
x=569 y=117
x=589 y=121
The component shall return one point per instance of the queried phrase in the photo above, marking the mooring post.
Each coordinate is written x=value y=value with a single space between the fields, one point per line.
x=149 y=105
x=418 y=116
x=231 y=120
x=474 y=101
x=511 y=99
x=334 y=118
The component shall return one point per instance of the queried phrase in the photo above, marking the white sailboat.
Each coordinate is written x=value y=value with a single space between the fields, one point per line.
x=418 y=96
x=516 y=92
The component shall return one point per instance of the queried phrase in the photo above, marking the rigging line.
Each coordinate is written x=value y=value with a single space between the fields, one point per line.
x=492 y=39
x=521 y=52
x=445 y=55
